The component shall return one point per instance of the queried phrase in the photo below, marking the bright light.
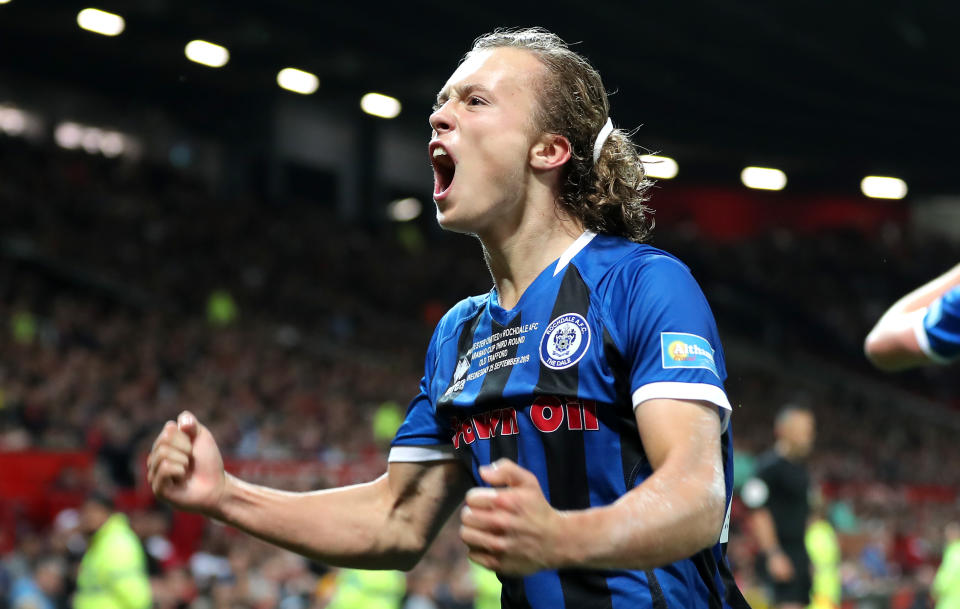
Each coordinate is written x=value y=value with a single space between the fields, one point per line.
x=881 y=187
x=94 y=140
x=91 y=140
x=4 y=1
x=659 y=166
x=12 y=121
x=112 y=144
x=100 y=22
x=298 y=81
x=207 y=53
x=763 y=178
x=403 y=210
x=380 y=105
x=68 y=135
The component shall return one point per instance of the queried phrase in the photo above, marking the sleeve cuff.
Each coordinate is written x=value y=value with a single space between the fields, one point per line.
x=416 y=454
x=685 y=391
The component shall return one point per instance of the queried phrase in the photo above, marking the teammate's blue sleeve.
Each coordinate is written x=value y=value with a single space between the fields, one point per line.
x=939 y=334
x=421 y=436
x=667 y=333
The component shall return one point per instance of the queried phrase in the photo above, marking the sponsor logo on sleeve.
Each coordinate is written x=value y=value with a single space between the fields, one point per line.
x=681 y=350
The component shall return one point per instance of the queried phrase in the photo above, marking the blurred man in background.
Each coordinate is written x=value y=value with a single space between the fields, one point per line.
x=778 y=497
x=921 y=328
x=113 y=571
x=591 y=374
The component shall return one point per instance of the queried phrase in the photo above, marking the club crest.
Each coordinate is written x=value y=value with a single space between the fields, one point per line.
x=565 y=341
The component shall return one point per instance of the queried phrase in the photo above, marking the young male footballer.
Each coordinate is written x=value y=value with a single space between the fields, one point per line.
x=578 y=407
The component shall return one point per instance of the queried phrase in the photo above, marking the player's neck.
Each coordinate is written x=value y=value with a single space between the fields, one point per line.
x=516 y=259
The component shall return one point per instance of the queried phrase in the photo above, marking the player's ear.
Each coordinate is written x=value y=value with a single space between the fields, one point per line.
x=549 y=152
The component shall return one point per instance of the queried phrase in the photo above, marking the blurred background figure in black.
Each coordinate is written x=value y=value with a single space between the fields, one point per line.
x=778 y=495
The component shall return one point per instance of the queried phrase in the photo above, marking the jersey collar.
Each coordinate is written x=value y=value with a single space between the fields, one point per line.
x=573 y=250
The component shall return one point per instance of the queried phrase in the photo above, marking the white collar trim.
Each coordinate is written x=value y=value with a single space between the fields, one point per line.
x=573 y=250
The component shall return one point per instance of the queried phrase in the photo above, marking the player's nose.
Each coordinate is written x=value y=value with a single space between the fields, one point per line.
x=441 y=121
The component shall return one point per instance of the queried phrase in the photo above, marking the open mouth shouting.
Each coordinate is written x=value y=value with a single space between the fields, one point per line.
x=444 y=168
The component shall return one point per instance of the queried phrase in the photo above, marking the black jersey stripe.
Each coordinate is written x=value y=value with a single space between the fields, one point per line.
x=464 y=351
x=491 y=392
x=707 y=568
x=732 y=593
x=658 y=600
x=632 y=457
x=565 y=453
x=513 y=595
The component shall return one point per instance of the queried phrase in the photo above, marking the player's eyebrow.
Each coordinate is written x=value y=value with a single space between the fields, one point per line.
x=462 y=90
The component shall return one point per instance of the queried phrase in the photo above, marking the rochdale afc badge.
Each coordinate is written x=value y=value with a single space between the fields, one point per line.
x=565 y=341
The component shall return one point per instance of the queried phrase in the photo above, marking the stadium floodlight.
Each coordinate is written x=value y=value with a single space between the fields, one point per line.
x=662 y=167
x=12 y=120
x=298 y=81
x=763 y=178
x=207 y=53
x=112 y=144
x=883 y=187
x=404 y=210
x=68 y=135
x=100 y=22
x=4 y=1
x=91 y=139
x=380 y=105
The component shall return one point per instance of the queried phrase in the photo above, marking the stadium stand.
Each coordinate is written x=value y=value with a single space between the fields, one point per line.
x=106 y=270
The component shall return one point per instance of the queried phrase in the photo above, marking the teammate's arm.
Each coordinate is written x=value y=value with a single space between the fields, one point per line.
x=676 y=512
x=892 y=344
x=384 y=524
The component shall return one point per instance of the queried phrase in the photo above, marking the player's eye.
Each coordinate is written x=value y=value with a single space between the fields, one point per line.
x=473 y=100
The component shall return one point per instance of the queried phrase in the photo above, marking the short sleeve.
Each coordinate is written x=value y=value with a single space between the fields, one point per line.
x=667 y=333
x=422 y=437
x=939 y=331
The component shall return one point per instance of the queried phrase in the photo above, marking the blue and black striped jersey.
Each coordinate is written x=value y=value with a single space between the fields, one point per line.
x=552 y=384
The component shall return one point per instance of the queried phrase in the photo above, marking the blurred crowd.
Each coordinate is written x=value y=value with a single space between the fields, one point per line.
x=129 y=293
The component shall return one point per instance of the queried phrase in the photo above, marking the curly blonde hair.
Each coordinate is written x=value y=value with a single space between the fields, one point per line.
x=607 y=196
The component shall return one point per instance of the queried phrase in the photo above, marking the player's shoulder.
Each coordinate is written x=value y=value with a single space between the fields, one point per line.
x=613 y=260
x=459 y=314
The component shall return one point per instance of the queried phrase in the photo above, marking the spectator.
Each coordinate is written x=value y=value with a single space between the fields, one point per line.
x=113 y=571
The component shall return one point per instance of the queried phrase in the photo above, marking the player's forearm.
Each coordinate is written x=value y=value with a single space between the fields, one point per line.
x=924 y=295
x=671 y=516
x=892 y=344
x=764 y=530
x=348 y=527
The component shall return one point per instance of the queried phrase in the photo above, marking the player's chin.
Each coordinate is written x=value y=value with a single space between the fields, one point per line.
x=448 y=220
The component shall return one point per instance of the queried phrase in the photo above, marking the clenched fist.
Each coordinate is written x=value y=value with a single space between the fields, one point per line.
x=185 y=468
x=510 y=528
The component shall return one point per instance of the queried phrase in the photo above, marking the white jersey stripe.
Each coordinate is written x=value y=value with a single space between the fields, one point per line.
x=573 y=250
x=685 y=391
x=417 y=454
